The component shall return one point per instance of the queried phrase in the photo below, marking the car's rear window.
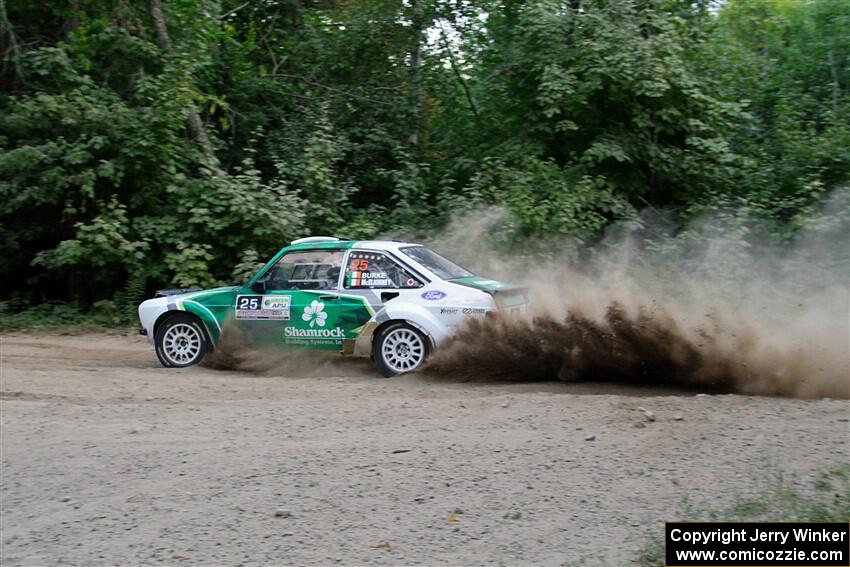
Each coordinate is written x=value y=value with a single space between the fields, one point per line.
x=442 y=267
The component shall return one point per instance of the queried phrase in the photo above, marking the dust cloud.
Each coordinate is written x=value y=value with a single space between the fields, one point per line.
x=717 y=307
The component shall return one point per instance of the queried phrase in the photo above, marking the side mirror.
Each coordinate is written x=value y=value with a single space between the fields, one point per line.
x=259 y=286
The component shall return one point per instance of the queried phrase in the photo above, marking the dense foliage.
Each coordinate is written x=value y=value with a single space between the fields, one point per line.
x=146 y=143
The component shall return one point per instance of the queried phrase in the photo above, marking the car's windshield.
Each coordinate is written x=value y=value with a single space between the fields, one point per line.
x=442 y=267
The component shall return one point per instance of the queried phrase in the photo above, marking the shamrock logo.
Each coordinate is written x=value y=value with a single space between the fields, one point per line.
x=315 y=314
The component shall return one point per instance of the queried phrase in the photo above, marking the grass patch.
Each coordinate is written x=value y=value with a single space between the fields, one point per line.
x=66 y=318
x=827 y=499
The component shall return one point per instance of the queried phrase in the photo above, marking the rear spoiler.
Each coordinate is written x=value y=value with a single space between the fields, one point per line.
x=507 y=295
x=505 y=289
x=510 y=296
x=510 y=290
x=177 y=291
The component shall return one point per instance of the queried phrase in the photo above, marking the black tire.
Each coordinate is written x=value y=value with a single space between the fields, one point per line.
x=181 y=341
x=399 y=348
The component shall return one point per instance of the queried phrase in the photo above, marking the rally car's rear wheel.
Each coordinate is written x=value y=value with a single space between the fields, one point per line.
x=399 y=348
x=180 y=341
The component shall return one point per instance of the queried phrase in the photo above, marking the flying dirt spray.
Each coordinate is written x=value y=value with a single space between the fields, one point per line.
x=716 y=307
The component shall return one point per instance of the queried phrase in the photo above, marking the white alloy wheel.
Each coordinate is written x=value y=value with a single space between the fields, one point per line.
x=403 y=350
x=182 y=344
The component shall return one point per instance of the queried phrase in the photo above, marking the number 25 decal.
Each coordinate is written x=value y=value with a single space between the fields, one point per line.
x=248 y=302
x=359 y=265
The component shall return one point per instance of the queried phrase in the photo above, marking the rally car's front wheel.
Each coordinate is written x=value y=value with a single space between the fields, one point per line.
x=180 y=341
x=399 y=348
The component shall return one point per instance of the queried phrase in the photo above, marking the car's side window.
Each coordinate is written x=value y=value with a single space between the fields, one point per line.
x=374 y=270
x=314 y=269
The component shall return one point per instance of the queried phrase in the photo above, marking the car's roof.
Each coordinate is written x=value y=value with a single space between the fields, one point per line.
x=383 y=244
x=346 y=244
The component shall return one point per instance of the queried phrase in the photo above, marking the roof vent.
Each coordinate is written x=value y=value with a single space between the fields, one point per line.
x=314 y=239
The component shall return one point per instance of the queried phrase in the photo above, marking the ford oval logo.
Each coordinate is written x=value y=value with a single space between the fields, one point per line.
x=433 y=295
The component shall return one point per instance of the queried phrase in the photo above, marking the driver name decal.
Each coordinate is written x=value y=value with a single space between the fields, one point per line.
x=369 y=279
x=367 y=270
x=263 y=307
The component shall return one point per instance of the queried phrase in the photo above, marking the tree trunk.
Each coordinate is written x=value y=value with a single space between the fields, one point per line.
x=162 y=38
x=9 y=42
x=456 y=69
x=73 y=23
x=193 y=120
x=836 y=85
x=416 y=73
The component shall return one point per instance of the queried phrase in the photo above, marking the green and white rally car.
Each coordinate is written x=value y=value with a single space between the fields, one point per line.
x=395 y=301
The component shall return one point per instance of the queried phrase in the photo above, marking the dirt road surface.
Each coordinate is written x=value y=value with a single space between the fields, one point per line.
x=107 y=458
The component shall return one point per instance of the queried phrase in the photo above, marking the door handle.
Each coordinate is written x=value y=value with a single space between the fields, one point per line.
x=328 y=297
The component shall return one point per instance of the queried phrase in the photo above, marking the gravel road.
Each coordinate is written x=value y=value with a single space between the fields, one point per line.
x=107 y=458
